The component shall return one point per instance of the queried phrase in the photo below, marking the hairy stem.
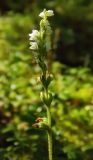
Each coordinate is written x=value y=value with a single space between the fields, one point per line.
x=49 y=134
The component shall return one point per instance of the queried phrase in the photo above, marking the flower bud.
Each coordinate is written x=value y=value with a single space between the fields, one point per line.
x=47 y=99
x=49 y=79
x=46 y=81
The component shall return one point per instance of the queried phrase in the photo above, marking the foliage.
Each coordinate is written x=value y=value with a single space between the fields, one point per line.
x=72 y=111
x=75 y=110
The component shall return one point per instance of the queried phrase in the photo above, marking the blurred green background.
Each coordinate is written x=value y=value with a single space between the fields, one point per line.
x=72 y=67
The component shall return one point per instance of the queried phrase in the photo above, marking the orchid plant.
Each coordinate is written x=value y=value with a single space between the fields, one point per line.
x=40 y=44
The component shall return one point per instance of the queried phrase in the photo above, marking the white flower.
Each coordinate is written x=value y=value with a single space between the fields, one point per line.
x=42 y=14
x=49 y=13
x=34 y=46
x=45 y=13
x=33 y=35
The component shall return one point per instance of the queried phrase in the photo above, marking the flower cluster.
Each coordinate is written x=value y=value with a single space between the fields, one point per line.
x=37 y=37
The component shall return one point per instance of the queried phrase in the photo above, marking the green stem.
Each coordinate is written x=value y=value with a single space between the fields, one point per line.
x=49 y=124
x=49 y=134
